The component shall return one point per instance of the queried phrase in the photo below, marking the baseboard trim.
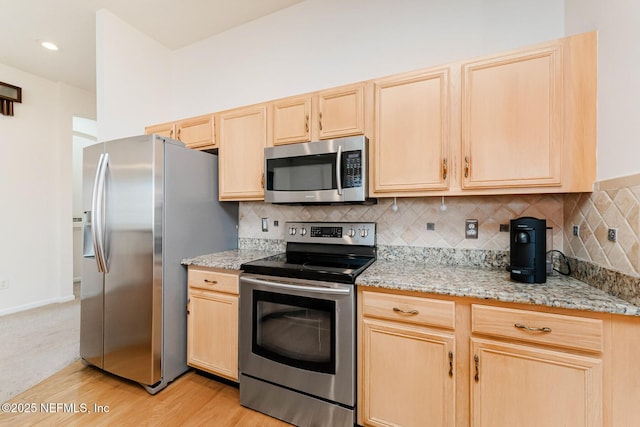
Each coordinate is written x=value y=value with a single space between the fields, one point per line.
x=36 y=304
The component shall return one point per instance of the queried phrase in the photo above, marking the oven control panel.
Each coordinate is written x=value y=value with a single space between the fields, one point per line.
x=339 y=233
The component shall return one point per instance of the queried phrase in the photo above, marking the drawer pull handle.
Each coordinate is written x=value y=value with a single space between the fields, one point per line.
x=528 y=328
x=411 y=312
x=210 y=281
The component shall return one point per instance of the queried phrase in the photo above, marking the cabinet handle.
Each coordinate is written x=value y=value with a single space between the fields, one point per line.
x=210 y=281
x=262 y=180
x=179 y=131
x=411 y=312
x=529 y=328
x=306 y=123
x=466 y=166
x=171 y=133
x=188 y=301
x=451 y=364
x=477 y=360
x=320 y=121
x=444 y=168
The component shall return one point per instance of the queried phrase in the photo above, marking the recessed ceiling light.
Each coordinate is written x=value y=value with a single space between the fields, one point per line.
x=49 y=45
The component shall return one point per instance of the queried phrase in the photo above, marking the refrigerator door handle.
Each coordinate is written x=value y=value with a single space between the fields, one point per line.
x=97 y=206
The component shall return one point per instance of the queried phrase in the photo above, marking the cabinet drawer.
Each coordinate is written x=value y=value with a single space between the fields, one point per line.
x=213 y=280
x=410 y=309
x=544 y=328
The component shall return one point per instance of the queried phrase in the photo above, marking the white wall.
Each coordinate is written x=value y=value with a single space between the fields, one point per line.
x=132 y=79
x=323 y=43
x=618 y=25
x=36 y=191
x=312 y=45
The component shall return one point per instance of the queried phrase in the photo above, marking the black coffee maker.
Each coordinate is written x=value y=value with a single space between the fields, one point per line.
x=527 y=259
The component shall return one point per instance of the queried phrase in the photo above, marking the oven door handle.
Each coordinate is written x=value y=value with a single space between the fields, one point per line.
x=292 y=287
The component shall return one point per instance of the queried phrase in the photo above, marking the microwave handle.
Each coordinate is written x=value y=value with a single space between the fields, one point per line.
x=339 y=170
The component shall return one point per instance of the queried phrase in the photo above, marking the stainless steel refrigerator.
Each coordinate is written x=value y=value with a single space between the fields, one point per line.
x=149 y=202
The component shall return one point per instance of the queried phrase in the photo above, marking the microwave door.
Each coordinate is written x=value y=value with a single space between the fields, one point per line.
x=304 y=179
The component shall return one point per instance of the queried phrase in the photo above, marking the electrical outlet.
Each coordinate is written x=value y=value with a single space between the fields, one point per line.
x=576 y=230
x=265 y=224
x=612 y=234
x=4 y=284
x=431 y=226
x=470 y=228
x=504 y=228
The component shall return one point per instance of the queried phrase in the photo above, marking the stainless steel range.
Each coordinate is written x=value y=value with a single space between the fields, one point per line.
x=297 y=324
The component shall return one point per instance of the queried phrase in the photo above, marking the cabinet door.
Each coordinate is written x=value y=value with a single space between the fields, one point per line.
x=410 y=152
x=196 y=132
x=408 y=375
x=164 y=129
x=292 y=120
x=512 y=116
x=242 y=136
x=516 y=385
x=341 y=112
x=212 y=333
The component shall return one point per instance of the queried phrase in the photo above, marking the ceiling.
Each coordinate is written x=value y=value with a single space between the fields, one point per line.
x=71 y=25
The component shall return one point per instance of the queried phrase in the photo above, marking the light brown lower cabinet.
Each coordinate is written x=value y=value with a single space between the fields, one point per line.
x=406 y=365
x=511 y=364
x=212 y=321
x=521 y=385
x=407 y=375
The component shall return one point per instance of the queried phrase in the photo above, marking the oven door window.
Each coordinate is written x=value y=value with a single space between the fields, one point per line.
x=294 y=330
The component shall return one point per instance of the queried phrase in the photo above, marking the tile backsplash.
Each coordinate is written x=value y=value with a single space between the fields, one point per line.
x=611 y=266
x=407 y=226
x=614 y=204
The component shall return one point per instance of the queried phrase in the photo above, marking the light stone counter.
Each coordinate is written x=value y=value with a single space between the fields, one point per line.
x=230 y=260
x=492 y=284
x=476 y=282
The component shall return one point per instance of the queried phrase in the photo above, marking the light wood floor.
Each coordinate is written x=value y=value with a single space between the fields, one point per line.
x=191 y=400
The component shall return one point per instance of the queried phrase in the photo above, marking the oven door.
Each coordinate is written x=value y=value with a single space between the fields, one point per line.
x=299 y=334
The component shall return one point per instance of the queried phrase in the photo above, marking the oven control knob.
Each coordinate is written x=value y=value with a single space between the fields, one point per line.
x=351 y=232
x=303 y=231
x=364 y=232
x=292 y=231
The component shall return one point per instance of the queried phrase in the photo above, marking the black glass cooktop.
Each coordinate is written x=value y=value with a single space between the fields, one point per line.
x=341 y=268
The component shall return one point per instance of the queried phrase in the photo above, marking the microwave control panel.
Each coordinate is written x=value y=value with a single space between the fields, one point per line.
x=352 y=174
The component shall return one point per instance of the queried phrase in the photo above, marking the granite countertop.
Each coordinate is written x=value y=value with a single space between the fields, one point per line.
x=230 y=260
x=492 y=284
x=475 y=282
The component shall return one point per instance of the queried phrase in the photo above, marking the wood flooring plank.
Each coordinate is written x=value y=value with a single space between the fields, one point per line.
x=71 y=397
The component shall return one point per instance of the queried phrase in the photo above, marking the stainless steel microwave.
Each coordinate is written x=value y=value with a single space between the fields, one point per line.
x=329 y=171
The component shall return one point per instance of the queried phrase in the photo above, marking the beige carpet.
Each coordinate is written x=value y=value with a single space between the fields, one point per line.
x=35 y=344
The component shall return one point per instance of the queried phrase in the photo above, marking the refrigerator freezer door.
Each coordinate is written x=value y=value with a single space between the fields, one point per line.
x=133 y=246
x=92 y=285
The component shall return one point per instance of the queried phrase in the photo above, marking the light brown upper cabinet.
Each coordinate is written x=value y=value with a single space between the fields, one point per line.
x=241 y=136
x=167 y=130
x=292 y=120
x=194 y=132
x=512 y=120
x=410 y=150
x=197 y=132
x=519 y=122
x=528 y=118
x=327 y=114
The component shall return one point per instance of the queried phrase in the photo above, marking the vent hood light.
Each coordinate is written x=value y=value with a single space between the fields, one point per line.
x=49 y=45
